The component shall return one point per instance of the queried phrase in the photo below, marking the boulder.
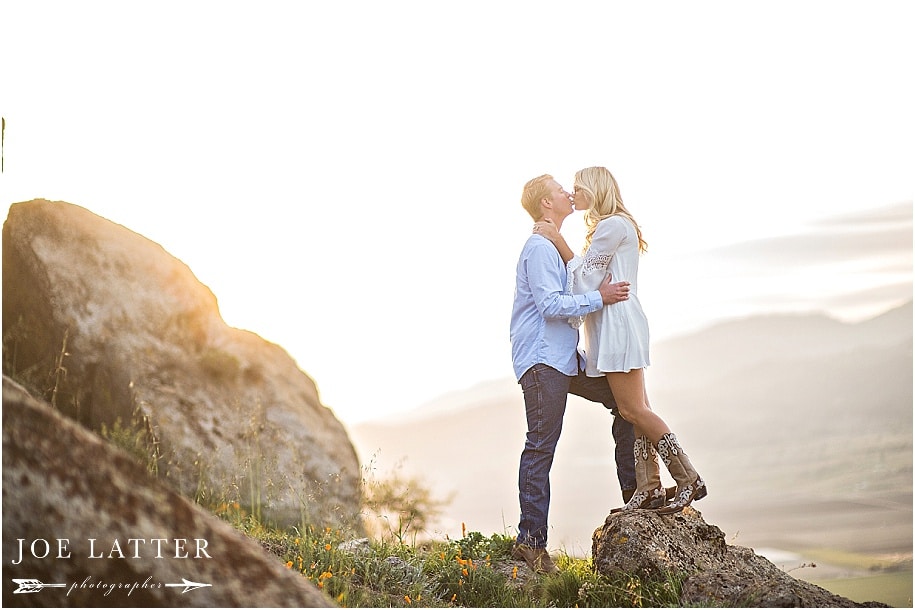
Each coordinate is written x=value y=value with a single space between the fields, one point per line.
x=84 y=525
x=652 y=546
x=113 y=331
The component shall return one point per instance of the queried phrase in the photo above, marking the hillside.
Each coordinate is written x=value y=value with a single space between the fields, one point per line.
x=780 y=413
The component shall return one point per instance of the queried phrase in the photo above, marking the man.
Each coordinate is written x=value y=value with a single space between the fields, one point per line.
x=548 y=367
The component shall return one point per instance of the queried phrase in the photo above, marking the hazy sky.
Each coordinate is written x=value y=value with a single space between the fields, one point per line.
x=345 y=176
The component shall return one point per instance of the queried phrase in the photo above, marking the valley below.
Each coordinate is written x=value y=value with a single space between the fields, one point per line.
x=801 y=426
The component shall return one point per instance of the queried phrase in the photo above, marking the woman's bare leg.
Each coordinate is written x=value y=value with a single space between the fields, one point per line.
x=632 y=399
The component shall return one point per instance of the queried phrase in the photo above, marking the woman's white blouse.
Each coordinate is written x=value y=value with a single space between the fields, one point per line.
x=616 y=336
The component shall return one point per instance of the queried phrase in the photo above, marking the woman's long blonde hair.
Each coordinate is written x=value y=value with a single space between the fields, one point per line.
x=606 y=201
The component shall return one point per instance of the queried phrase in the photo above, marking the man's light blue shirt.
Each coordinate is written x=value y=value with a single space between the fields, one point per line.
x=540 y=329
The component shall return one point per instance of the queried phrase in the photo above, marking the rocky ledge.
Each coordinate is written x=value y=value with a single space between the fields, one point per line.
x=649 y=545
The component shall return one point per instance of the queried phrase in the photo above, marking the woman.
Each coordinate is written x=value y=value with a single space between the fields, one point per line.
x=616 y=336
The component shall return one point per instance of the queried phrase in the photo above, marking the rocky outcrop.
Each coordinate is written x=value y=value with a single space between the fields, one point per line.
x=651 y=546
x=107 y=326
x=84 y=525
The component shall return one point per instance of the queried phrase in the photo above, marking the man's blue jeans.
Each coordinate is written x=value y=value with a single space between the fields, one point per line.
x=546 y=392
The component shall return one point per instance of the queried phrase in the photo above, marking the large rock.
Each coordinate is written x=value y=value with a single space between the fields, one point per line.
x=652 y=546
x=107 y=326
x=63 y=483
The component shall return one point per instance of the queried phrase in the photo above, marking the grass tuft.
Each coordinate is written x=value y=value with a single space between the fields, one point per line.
x=473 y=572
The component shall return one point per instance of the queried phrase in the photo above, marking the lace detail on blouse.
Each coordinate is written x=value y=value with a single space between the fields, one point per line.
x=571 y=267
x=596 y=262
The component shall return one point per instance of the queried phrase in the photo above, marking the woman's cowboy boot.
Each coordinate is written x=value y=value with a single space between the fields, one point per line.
x=648 y=493
x=690 y=485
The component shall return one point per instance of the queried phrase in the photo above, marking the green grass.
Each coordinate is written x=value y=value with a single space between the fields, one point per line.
x=893 y=588
x=475 y=571
x=890 y=582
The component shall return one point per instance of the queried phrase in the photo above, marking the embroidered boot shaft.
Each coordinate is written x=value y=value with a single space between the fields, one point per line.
x=649 y=493
x=690 y=485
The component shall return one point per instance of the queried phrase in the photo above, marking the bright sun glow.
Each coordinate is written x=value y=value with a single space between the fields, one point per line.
x=345 y=178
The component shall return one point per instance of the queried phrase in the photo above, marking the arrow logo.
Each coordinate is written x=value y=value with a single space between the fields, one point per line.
x=30 y=585
x=188 y=585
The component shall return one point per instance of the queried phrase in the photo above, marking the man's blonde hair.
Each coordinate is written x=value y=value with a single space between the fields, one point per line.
x=534 y=191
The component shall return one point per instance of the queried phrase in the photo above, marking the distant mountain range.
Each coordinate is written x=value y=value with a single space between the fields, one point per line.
x=783 y=415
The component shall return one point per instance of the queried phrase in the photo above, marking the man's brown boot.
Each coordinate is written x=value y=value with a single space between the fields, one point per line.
x=537 y=559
